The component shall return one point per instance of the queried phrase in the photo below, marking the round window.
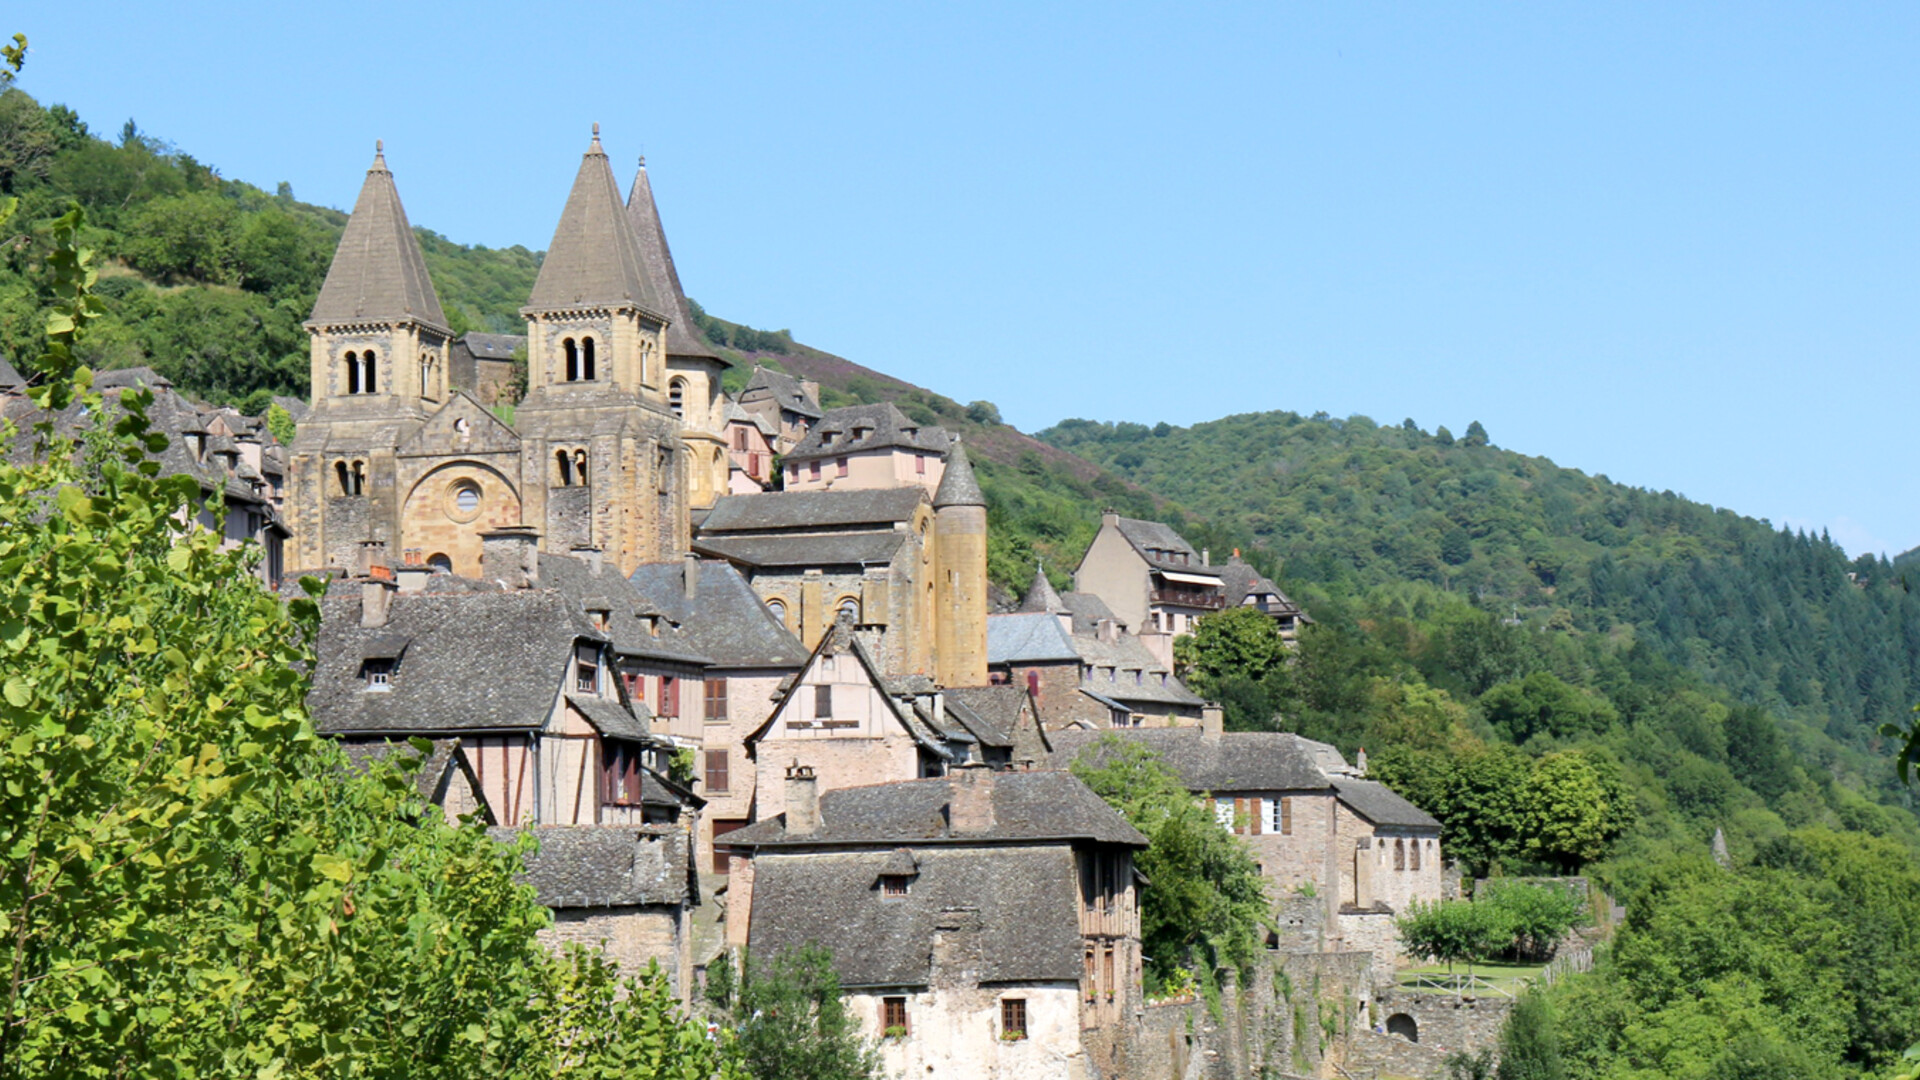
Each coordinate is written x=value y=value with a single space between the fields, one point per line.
x=463 y=501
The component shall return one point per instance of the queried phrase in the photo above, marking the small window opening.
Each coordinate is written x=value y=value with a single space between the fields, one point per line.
x=893 y=1017
x=894 y=885
x=378 y=673
x=850 y=609
x=718 y=782
x=580 y=467
x=823 y=702
x=440 y=563
x=677 y=398
x=353 y=372
x=586 y=359
x=1399 y=854
x=366 y=375
x=572 y=352
x=586 y=671
x=562 y=469
x=840 y=467
x=1013 y=1019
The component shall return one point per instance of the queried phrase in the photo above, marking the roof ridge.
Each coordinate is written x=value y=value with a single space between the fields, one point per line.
x=594 y=259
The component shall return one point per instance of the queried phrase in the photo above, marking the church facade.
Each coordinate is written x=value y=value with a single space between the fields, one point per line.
x=620 y=435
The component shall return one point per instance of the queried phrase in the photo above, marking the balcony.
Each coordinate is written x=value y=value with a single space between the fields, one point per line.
x=1193 y=598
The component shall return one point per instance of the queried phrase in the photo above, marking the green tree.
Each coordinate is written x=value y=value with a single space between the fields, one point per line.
x=1240 y=643
x=1455 y=931
x=793 y=1023
x=1538 y=915
x=1208 y=902
x=1529 y=1044
x=1544 y=704
x=1574 y=808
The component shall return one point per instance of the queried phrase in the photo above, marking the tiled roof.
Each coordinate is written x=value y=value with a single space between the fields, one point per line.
x=595 y=259
x=1235 y=761
x=1381 y=805
x=378 y=273
x=492 y=346
x=1021 y=906
x=786 y=390
x=683 y=336
x=1041 y=595
x=600 y=866
x=812 y=510
x=10 y=377
x=1241 y=580
x=1027 y=806
x=1153 y=539
x=723 y=621
x=444 y=754
x=852 y=429
x=609 y=592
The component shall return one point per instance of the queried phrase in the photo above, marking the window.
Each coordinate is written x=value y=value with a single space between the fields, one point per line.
x=1013 y=1019
x=720 y=829
x=1399 y=854
x=586 y=359
x=920 y=464
x=840 y=467
x=366 y=372
x=440 y=562
x=572 y=352
x=893 y=1016
x=739 y=438
x=599 y=617
x=1106 y=970
x=823 y=702
x=352 y=361
x=849 y=609
x=793 y=473
x=669 y=697
x=1033 y=683
x=620 y=773
x=1223 y=813
x=378 y=673
x=466 y=501
x=717 y=780
x=715 y=694
x=813 y=470
x=580 y=467
x=1413 y=862
x=677 y=398
x=778 y=609
x=893 y=885
x=586 y=670
x=1280 y=816
x=1091 y=982
x=562 y=469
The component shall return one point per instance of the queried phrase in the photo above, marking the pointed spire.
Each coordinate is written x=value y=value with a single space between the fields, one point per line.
x=1040 y=595
x=683 y=336
x=594 y=260
x=957 y=484
x=378 y=273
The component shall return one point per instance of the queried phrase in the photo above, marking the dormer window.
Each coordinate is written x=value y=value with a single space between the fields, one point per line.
x=586 y=670
x=378 y=673
x=599 y=618
x=895 y=885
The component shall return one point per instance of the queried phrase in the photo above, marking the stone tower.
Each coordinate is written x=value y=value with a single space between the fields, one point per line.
x=693 y=367
x=601 y=453
x=377 y=347
x=960 y=566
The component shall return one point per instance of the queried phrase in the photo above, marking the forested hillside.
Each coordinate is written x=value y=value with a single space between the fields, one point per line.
x=208 y=279
x=1780 y=619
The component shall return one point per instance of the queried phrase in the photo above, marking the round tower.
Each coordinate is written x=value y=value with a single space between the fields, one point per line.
x=960 y=575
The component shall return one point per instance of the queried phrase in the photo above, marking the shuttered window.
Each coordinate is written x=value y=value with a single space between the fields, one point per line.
x=717 y=783
x=714 y=693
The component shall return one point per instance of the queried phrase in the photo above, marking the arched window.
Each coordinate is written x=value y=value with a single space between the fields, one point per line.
x=367 y=373
x=1413 y=860
x=426 y=376
x=359 y=478
x=778 y=609
x=849 y=609
x=346 y=478
x=677 y=398
x=440 y=563
x=580 y=467
x=573 y=359
x=353 y=372
x=562 y=469
x=1399 y=854
x=586 y=358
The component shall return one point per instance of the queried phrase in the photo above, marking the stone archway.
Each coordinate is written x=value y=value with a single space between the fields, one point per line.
x=1405 y=1026
x=450 y=507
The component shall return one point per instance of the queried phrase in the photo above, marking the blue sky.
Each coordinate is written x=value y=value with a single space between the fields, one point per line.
x=1672 y=243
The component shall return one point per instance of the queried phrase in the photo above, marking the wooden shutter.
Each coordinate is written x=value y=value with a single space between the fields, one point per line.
x=717 y=781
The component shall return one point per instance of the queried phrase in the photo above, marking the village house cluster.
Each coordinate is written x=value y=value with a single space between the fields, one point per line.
x=733 y=656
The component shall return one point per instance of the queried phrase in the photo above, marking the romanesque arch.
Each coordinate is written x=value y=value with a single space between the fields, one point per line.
x=450 y=507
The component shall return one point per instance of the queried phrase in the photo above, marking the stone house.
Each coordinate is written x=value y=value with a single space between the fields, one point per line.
x=750 y=451
x=784 y=405
x=238 y=464
x=628 y=890
x=1154 y=580
x=518 y=675
x=867 y=446
x=910 y=571
x=1315 y=824
x=982 y=924
x=706 y=607
x=445 y=777
x=1246 y=587
x=482 y=364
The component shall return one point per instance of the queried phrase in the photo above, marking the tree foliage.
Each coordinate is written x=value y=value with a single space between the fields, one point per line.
x=793 y=1023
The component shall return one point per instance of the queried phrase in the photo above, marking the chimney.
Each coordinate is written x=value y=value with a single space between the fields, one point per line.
x=970 y=806
x=690 y=574
x=1108 y=631
x=413 y=577
x=1213 y=721
x=811 y=387
x=1206 y=556
x=511 y=556
x=376 y=597
x=590 y=556
x=803 y=800
x=372 y=553
x=1360 y=762
x=939 y=708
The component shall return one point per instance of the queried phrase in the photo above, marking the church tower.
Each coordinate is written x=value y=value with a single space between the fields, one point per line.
x=693 y=367
x=960 y=568
x=378 y=360
x=602 y=460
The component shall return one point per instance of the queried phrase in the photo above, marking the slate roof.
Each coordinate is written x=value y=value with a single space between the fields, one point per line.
x=992 y=713
x=735 y=414
x=812 y=510
x=958 y=485
x=1152 y=539
x=1028 y=638
x=1088 y=611
x=1235 y=761
x=1381 y=805
x=1241 y=580
x=786 y=390
x=683 y=335
x=492 y=346
x=853 y=429
x=600 y=866
x=805 y=549
x=608 y=591
x=378 y=273
x=433 y=768
x=1019 y=908
x=473 y=661
x=10 y=377
x=610 y=717
x=1027 y=806
x=595 y=259
x=1041 y=595
x=724 y=620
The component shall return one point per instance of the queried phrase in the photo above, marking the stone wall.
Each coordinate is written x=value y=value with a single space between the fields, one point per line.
x=1422 y=1030
x=632 y=936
